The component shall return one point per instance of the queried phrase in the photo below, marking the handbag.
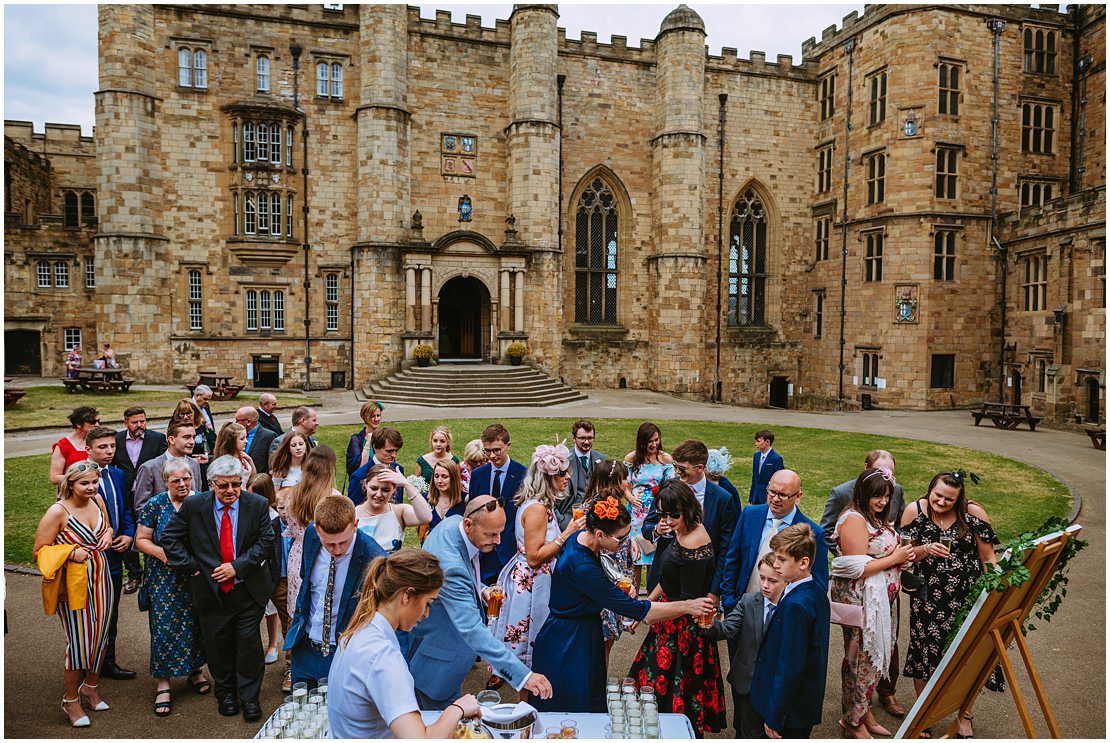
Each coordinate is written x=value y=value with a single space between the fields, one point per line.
x=846 y=615
x=143 y=597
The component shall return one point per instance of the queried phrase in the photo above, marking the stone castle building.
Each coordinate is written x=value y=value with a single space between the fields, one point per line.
x=647 y=216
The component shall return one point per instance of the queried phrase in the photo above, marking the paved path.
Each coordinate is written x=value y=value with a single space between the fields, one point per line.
x=1070 y=651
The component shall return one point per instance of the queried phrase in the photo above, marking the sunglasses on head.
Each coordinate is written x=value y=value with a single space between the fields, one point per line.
x=86 y=466
x=490 y=505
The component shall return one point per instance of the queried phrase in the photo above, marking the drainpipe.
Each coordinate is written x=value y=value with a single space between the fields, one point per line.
x=723 y=98
x=1076 y=66
x=849 y=48
x=996 y=26
x=351 y=345
x=296 y=51
x=1077 y=153
x=560 y=80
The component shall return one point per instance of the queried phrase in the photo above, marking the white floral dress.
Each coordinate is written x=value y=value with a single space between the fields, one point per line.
x=527 y=592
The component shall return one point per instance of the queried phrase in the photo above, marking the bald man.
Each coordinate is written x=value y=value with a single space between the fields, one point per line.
x=258 y=438
x=267 y=404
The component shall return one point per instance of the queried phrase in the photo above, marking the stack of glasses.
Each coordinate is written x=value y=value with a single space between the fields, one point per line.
x=304 y=715
x=631 y=715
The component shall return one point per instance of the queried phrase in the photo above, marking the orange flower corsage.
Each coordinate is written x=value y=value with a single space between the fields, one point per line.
x=607 y=509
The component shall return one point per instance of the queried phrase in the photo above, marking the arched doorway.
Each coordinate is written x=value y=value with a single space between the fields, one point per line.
x=464 y=319
x=1092 y=401
x=1015 y=384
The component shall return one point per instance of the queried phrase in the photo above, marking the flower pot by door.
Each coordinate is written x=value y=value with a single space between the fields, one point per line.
x=423 y=362
x=515 y=360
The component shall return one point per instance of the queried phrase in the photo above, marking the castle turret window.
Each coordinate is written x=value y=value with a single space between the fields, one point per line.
x=1038 y=127
x=192 y=68
x=826 y=95
x=873 y=257
x=747 y=261
x=947 y=163
x=195 y=303
x=948 y=88
x=944 y=255
x=262 y=73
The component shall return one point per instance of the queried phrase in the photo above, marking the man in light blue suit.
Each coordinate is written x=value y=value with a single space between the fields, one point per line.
x=445 y=644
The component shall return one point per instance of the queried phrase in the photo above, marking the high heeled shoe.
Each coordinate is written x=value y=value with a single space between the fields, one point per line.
x=101 y=705
x=81 y=722
x=859 y=732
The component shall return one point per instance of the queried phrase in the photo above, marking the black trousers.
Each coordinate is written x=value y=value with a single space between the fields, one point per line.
x=116 y=572
x=133 y=562
x=233 y=644
x=749 y=724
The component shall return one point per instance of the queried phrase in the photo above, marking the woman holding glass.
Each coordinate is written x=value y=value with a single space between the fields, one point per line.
x=866 y=573
x=371 y=694
x=175 y=639
x=568 y=649
x=954 y=542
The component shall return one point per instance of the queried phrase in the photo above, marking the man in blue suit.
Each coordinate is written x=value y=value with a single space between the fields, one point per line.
x=101 y=444
x=788 y=685
x=331 y=583
x=719 y=508
x=445 y=644
x=501 y=477
x=765 y=464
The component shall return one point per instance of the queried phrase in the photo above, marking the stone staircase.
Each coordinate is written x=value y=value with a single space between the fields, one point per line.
x=471 y=385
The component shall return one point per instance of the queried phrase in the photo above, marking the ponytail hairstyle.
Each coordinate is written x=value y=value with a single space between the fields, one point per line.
x=227 y=441
x=606 y=511
x=409 y=569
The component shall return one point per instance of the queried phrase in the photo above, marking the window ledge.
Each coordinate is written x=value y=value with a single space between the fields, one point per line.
x=262 y=251
x=583 y=330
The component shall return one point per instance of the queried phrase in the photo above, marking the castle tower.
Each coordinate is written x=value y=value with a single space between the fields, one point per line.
x=383 y=189
x=134 y=270
x=533 y=148
x=678 y=264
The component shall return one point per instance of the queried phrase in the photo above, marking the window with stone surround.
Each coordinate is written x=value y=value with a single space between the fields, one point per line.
x=1035 y=192
x=1040 y=51
x=90 y=273
x=265 y=310
x=873 y=257
x=88 y=208
x=822 y=227
x=870 y=369
x=875 y=165
x=1038 y=127
x=824 y=169
x=262 y=73
x=71 y=339
x=1035 y=283
x=947 y=170
x=826 y=94
x=944 y=255
x=45 y=275
x=595 y=256
x=1040 y=367
x=948 y=87
x=942 y=372
x=876 y=89
x=192 y=68
x=61 y=275
x=818 y=313
x=196 y=316
x=329 y=80
x=78 y=208
x=263 y=182
x=331 y=299
x=747 y=261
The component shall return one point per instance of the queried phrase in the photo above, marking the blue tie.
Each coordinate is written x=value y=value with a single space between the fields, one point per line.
x=108 y=492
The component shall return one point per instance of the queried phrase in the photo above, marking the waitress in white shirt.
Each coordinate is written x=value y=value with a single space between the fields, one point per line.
x=370 y=690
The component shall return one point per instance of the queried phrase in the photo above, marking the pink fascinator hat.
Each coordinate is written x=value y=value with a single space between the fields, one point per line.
x=552 y=459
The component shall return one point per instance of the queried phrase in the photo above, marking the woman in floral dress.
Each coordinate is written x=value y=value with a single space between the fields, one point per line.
x=526 y=578
x=867 y=573
x=648 y=466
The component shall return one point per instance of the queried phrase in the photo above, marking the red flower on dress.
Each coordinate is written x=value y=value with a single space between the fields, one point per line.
x=664 y=658
x=518 y=633
x=661 y=686
x=699 y=667
x=683 y=642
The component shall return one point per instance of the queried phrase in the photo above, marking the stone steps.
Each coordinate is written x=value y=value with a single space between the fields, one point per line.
x=471 y=385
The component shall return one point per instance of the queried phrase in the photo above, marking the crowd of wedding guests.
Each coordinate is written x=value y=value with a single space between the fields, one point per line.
x=536 y=568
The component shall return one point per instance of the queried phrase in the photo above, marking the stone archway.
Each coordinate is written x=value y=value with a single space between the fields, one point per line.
x=464 y=320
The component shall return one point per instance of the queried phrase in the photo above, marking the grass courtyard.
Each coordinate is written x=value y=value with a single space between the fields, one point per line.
x=1016 y=496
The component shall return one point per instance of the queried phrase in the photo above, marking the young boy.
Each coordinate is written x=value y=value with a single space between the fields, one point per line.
x=788 y=686
x=745 y=626
x=765 y=463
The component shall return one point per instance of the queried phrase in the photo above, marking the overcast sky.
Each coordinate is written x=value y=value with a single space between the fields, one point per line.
x=50 y=62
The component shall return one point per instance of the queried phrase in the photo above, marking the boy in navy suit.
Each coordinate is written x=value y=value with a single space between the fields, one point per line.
x=788 y=686
x=765 y=463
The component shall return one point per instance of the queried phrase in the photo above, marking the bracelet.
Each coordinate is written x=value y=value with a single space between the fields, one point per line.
x=462 y=712
x=560 y=540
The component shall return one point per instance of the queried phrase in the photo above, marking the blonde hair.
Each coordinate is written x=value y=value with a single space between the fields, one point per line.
x=188 y=404
x=366 y=412
x=454 y=487
x=798 y=541
x=473 y=453
x=409 y=569
x=446 y=434
x=227 y=440
x=540 y=486
x=317 y=482
x=75 y=472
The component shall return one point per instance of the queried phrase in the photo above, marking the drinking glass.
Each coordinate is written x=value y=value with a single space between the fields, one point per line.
x=488 y=698
x=496 y=596
x=568 y=729
x=946 y=540
x=553 y=732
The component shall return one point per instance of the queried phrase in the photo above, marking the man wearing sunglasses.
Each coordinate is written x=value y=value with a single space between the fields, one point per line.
x=500 y=477
x=445 y=644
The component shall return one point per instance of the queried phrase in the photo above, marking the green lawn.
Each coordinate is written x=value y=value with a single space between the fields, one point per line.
x=1016 y=496
x=50 y=405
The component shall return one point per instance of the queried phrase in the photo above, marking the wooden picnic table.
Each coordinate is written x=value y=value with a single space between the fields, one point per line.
x=222 y=388
x=1098 y=437
x=88 y=379
x=1006 y=415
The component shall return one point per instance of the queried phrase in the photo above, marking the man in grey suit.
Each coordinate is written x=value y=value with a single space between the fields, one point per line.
x=839 y=499
x=180 y=438
x=581 y=462
x=445 y=644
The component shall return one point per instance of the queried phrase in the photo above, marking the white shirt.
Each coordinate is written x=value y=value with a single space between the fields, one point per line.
x=699 y=492
x=318 y=586
x=371 y=685
x=791 y=586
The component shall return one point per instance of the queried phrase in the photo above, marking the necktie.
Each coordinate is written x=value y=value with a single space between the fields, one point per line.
x=109 y=494
x=770 y=612
x=585 y=463
x=496 y=483
x=478 y=581
x=227 y=546
x=325 y=638
x=764 y=548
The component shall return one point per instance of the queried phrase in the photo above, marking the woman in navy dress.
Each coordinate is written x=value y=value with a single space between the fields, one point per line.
x=569 y=648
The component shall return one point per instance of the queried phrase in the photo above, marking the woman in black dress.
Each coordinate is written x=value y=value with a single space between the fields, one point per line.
x=948 y=573
x=679 y=662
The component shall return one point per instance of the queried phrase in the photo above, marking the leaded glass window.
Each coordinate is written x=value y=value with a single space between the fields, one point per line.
x=747 y=261
x=595 y=256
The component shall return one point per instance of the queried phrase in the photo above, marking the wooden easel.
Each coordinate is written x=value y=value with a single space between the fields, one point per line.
x=993 y=624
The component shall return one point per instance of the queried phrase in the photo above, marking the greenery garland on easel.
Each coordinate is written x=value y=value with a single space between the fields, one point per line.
x=1012 y=572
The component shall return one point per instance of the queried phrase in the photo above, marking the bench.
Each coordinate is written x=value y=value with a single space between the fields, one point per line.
x=12 y=396
x=72 y=385
x=1006 y=416
x=1098 y=438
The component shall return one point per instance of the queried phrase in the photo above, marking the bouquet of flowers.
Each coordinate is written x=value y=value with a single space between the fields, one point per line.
x=419 y=483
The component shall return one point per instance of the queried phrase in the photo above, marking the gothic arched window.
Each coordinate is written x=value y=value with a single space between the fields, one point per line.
x=747 y=261
x=595 y=256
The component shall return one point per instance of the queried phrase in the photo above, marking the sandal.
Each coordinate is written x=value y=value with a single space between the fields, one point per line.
x=202 y=686
x=99 y=706
x=162 y=708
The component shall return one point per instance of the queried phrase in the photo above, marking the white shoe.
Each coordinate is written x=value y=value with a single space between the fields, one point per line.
x=101 y=705
x=271 y=657
x=82 y=722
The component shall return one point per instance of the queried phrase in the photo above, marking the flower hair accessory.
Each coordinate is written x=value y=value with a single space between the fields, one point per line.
x=552 y=460
x=963 y=476
x=882 y=472
x=720 y=461
x=607 y=509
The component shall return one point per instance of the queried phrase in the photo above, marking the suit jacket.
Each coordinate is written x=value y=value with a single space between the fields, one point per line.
x=355 y=490
x=579 y=479
x=269 y=421
x=149 y=483
x=492 y=562
x=154 y=444
x=762 y=476
x=744 y=624
x=259 y=451
x=740 y=557
x=788 y=686
x=445 y=644
x=718 y=517
x=364 y=553
x=839 y=499
x=192 y=543
x=119 y=513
